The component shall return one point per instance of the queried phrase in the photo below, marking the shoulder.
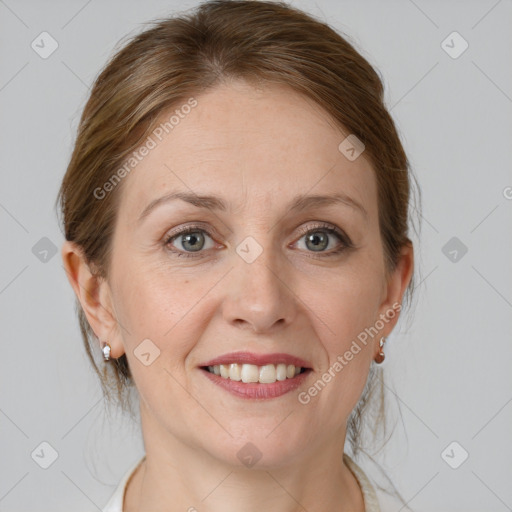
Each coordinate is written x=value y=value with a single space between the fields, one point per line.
x=116 y=501
x=389 y=503
x=369 y=495
x=375 y=498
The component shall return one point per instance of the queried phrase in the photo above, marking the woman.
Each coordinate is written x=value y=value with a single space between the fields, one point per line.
x=235 y=213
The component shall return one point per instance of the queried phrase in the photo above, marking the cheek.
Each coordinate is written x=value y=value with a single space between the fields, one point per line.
x=157 y=306
x=153 y=295
x=160 y=331
x=348 y=306
x=342 y=378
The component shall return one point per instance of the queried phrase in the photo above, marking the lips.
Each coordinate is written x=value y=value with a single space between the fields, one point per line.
x=257 y=376
x=257 y=390
x=257 y=359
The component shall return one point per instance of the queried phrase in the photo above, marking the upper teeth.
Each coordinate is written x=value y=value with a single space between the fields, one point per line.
x=251 y=373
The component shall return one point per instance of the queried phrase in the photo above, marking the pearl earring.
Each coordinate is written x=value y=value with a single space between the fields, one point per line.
x=106 y=351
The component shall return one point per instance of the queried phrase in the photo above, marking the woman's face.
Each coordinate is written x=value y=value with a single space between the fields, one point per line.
x=264 y=274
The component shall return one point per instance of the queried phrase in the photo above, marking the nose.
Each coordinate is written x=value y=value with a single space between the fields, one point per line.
x=258 y=295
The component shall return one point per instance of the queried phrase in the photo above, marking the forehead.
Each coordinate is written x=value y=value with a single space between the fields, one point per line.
x=247 y=144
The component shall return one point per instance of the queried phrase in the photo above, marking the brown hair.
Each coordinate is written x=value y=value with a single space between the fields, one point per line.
x=178 y=57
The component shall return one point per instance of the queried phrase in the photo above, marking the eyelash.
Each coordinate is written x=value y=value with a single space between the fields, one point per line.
x=346 y=243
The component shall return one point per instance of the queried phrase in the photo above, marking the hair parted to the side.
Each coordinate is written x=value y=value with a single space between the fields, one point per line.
x=182 y=56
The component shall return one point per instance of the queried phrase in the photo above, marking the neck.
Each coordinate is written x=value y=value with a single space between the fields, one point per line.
x=184 y=478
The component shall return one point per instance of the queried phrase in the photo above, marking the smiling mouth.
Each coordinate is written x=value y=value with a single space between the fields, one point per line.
x=250 y=373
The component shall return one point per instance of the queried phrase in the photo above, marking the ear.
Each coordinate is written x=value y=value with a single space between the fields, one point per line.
x=94 y=295
x=397 y=283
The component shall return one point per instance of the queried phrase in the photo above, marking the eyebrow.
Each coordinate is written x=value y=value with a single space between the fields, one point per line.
x=298 y=203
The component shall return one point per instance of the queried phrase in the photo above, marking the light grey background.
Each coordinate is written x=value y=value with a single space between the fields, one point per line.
x=450 y=369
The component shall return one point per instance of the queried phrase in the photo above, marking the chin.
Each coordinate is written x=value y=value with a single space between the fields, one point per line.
x=259 y=449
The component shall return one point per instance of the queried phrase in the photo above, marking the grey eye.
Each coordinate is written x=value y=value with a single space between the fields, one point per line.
x=191 y=240
x=317 y=240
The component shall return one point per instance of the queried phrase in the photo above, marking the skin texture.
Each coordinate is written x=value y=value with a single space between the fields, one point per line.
x=257 y=148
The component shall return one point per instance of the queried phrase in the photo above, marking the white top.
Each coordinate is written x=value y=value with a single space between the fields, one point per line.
x=116 y=501
x=115 y=504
